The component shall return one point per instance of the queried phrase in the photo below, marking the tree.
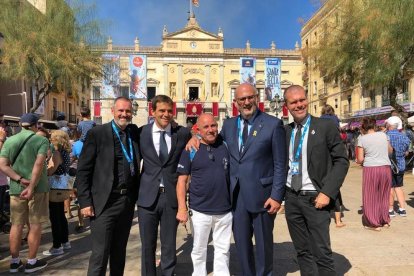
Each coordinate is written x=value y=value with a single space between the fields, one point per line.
x=48 y=49
x=371 y=43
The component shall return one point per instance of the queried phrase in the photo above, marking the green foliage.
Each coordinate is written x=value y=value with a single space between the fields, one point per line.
x=48 y=48
x=371 y=43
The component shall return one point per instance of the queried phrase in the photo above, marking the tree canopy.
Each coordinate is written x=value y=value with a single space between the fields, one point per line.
x=49 y=48
x=369 y=42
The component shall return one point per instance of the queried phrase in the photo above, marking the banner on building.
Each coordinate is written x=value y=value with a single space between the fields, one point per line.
x=150 y=109
x=285 y=111
x=235 y=111
x=41 y=108
x=248 y=70
x=110 y=82
x=261 y=106
x=97 y=109
x=194 y=109
x=174 y=109
x=272 y=78
x=215 y=109
x=138 y=76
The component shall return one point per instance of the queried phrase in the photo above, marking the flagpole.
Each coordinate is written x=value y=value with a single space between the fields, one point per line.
x=191 y=8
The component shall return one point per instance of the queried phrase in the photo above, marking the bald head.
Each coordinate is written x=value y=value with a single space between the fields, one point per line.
x=246 y=100
x=296 y=102
x=208 y=128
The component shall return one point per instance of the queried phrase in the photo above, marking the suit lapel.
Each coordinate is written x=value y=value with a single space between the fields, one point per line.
x=311 y=138
x=174 y=139
x=254 y=131
x=148 y=141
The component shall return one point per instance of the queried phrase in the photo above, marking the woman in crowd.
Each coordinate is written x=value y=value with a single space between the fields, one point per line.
x=373 y=150
x=59 y=165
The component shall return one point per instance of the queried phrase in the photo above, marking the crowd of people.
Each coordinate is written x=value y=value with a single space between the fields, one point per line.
x=228 y=182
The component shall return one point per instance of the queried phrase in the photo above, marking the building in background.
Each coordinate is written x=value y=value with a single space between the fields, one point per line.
x=350 y=102
x=196 y=71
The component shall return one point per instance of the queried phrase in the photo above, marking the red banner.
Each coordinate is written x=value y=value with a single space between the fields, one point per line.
x=194 y=109
x=215 y=109
x=174 y=109
x=235 y=111
x=150 y=109
x=97 y=109
x=285 y=111
x=261 y=106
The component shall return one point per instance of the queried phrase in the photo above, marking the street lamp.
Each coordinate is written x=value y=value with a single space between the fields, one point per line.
x=135 y=107
x=276 y=104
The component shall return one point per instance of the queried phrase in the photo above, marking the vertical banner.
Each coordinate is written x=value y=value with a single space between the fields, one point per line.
x=174 y=109
x=272 y=78
x=248 y=70
x=235 y=111
x=261 y=106
x=138 y=74
x=215 y=109
x=41 y=109
x=97 y=109
x=150 y=109
x=110 y=83
x=285 y=111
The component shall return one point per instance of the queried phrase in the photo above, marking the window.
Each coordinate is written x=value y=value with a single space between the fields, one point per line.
x=151 y=91
x=125 y=91
x=315 y=88
x=336 y=103
x=96 y=93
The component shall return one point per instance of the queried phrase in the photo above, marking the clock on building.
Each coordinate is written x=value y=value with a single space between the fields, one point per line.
x=193 y=44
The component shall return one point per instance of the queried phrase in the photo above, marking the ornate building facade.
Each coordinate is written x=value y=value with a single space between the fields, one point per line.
x=195 y=70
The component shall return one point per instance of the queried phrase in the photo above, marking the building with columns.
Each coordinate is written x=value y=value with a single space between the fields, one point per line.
x=192 y=67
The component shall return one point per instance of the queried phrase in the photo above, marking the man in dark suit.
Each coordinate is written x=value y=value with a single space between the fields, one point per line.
x=161 y=145
x=317 y=168
x=107 y=181
x=256 y=143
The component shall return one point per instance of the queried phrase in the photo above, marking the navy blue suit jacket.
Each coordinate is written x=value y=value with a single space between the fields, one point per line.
x=260 y=170
x=153 y=169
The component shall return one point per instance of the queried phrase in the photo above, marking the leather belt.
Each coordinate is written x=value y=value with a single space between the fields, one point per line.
x=120 y=191
x=302 y=192
x=161 y=190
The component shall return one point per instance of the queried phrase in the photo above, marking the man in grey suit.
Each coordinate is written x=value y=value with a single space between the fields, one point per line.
x=107 y=180
x=318 y=165
x=161 y=147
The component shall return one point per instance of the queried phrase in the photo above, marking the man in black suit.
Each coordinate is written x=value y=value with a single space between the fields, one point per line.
x=317 y=168
x=161 y=145
x=107 y=180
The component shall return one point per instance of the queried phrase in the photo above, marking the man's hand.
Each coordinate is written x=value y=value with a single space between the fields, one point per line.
x=88 y=212
x=272 y=206
x=193 y=143
x=3 y=133
x=182 y=217
x=321 y=201
x=25 y=182
x=27 y=193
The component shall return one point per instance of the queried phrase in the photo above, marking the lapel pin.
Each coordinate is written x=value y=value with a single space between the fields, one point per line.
x=313 y=132
x=255 y=133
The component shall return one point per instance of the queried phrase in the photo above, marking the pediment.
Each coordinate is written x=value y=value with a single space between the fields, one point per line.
x=286 y=83
x=193 y=33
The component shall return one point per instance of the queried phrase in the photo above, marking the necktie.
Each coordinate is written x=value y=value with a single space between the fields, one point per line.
x=297 y=178
x=163 y=147
x=245 y=133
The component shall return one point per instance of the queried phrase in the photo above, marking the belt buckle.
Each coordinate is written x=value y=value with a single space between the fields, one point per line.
x=161 y=190
x=123 y=191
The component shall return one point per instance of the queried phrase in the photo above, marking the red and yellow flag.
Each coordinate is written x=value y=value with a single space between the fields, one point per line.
x=195 y=3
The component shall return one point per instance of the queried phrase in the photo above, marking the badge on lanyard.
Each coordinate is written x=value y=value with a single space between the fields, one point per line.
x=294 y=168
x=128 y=156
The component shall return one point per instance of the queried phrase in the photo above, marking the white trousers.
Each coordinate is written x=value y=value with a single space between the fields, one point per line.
x=221 y=226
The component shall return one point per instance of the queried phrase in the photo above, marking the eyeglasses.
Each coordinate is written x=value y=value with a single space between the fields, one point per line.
x=249 y=98
x=210 y=153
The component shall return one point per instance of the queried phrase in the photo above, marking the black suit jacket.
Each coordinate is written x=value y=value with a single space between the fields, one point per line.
x=95 y=173
x=326 y=155
x=153 y=170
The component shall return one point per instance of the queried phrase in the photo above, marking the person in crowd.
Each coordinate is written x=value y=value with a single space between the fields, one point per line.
x=161 y=144
x=22 y=158
x=107 y=181
x=328 y=112
x=61 y=123
x=209 y=197
x=257 y=151
x=318 y=165
x=85 y=124
x=59 y=165
x=373 y=150
x=400 y=143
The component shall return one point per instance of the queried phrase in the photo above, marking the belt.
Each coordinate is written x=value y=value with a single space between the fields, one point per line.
x=302 y=192
x=120 y=191
x=161 y=190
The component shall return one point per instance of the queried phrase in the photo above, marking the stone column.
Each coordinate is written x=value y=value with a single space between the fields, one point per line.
x=208 y=83
x=180 y=82
x=221 y=84
x=166 y=83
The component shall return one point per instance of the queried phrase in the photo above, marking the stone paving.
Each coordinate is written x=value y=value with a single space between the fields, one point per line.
x=356 y=251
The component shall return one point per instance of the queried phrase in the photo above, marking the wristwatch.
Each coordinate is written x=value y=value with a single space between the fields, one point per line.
x=18 y=180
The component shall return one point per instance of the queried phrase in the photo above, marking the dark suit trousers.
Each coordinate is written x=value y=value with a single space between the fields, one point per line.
x=149 y=218
x=309 y=230
x=109 y=233
x=244 y=225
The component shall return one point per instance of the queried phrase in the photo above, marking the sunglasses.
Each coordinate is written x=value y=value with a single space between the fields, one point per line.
x=210 y=153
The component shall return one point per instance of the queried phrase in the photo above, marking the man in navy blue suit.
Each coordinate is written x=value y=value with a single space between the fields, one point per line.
x=256 y=143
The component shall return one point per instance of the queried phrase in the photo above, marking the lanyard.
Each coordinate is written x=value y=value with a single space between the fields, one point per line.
x=129 y=157
x=292 y=139
x=240 y=131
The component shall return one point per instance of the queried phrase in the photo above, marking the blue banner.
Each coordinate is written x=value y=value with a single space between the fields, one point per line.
x=272 y=78
x=248 y=70
x=110 y=82
x=138 y=74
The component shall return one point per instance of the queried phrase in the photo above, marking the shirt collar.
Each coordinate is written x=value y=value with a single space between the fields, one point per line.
x=303 y=122
x=251 y=120
x=118 y=128
x=155 y=128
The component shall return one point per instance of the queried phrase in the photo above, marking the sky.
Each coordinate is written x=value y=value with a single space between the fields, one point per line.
x=259 y=21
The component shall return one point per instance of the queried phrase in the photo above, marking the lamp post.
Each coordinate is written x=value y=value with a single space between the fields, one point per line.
x=135 y=107
x=276 y=104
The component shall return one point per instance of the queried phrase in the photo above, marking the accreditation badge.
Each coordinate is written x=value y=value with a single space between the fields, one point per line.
x=294 y=168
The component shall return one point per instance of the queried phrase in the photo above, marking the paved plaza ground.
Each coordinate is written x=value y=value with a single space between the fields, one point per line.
x=356 y=251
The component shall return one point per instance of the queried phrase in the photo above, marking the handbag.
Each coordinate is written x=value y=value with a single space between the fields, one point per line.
x=60 y=182
x=58 y=195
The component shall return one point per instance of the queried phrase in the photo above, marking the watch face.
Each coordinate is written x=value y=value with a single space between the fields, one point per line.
x=193 y=44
